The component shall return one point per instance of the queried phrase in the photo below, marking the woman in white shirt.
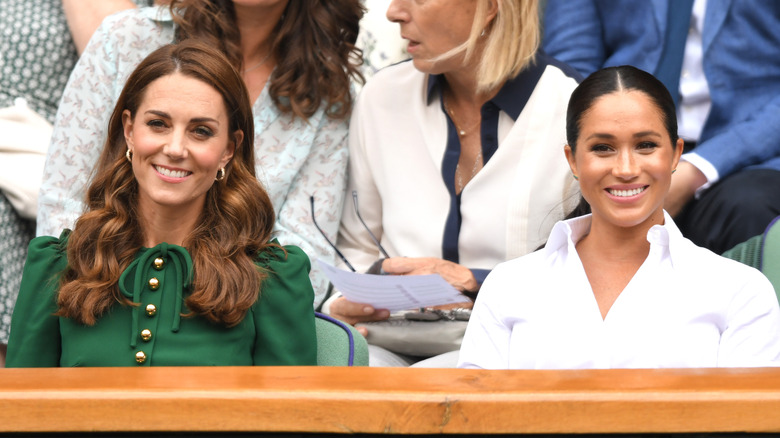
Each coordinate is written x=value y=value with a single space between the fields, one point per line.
x=622 y=288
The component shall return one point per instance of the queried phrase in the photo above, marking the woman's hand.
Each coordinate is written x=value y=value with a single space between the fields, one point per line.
x=353 y=313
x=460 y=277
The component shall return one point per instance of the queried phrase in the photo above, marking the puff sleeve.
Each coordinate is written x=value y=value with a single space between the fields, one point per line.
x=283 y=315
x=35 y=331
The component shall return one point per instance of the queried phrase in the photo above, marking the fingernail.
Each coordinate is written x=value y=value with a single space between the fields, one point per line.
x=368 y=309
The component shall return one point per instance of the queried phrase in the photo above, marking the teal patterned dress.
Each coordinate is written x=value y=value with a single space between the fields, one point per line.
x=36 y=57
x=15 y=234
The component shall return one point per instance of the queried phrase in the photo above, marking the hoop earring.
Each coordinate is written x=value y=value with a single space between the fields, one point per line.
x=129 y=156
x=575 y=177
x=674 y=170
x=220 y=174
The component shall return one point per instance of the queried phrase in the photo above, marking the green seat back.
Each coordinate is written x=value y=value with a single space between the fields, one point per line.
x=338 y=343
x=747 y=252
x=770 y=254
x=762 y=252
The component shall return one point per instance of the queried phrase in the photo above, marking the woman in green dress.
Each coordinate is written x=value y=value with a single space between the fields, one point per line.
x=172 y=262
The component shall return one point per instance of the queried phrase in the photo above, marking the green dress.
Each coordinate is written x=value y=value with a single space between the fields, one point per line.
x=277 y=330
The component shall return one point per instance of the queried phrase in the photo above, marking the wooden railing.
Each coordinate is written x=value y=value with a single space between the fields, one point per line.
x=369 y=400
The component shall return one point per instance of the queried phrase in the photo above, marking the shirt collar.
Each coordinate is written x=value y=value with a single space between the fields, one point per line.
x=571 y=231
x=567 y=232
x=512 y=96
x=669 y=237
x=160 y=13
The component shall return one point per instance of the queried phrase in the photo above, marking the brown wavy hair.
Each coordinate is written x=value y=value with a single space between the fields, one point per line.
x=234 y=227
x=313 y=43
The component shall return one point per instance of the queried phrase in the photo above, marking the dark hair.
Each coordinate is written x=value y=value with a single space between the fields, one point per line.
x=313 y=44
x=235 y=224
x=609 y=80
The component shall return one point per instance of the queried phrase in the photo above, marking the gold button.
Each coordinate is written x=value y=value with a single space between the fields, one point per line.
x=146 y=335
x=151 y=310
x=140 y=357
x=154 y=283
x=159 y=263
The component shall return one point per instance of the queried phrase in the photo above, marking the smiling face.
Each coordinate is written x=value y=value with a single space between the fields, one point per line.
x=179 y=137
x=624 y=159
x=433 y=27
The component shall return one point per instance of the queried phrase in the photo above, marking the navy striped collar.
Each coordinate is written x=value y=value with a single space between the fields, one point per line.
x=514 y=94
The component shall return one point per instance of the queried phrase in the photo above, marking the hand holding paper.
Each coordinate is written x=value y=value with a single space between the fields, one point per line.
x=393 y=292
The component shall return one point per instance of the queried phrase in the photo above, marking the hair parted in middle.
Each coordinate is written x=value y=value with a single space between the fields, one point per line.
x=235 y=225
x=610 y=80
x=314 y=45
x=613 y=79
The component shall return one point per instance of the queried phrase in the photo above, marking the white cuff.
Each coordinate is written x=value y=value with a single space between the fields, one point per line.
x=326 y=305
x=705 y=167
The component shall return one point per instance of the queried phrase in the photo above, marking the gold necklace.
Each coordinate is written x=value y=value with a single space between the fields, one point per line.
x=462 y=133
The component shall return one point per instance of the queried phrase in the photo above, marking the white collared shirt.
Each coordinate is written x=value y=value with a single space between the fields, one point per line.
x=684 y=307
x=695 y=102
x=398 y=140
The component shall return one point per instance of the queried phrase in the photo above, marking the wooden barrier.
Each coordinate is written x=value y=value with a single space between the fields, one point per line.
x=366 y=400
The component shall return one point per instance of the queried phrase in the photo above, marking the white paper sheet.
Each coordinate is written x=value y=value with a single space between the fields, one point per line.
x=393 y=292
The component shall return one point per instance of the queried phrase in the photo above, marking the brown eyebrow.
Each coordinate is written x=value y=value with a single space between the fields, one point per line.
x=159 y=113
x=636 y=135
x=195 y=120
x=647 y=134
x=204 y=119
x=599 y=135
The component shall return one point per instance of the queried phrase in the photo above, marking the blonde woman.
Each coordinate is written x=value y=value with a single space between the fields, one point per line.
x=455 y=155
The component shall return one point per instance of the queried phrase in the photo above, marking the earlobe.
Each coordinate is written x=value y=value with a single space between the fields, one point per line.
x=678 y=152
x=238 y=137
x=492 y=11
x=570 y=159
x=127 y=126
